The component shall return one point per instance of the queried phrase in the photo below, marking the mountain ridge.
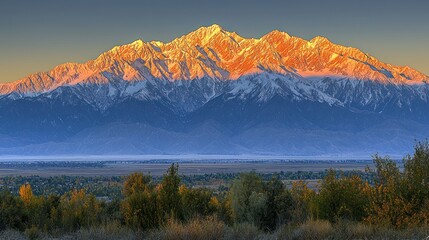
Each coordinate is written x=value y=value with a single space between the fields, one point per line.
x=212 y=91
x=216 y=53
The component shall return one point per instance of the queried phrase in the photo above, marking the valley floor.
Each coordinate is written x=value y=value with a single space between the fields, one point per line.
x=67 y=167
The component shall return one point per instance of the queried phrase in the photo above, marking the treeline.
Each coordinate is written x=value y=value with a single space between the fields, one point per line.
x=111 y=186
x=392 y=199
x=101 y=186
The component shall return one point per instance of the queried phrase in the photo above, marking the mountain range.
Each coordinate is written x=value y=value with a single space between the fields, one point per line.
x=214 y=92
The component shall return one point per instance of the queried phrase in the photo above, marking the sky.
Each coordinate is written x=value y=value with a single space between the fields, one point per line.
x=38 y=35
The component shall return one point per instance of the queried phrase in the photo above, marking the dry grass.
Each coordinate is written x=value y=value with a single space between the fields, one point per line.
x=197 y=229
x=318 y=230
x=12 y=235
x=244 y=231
x=414 y=233
x=110 y=231
x=352 y=230
x=213 y=229
x=313 y=230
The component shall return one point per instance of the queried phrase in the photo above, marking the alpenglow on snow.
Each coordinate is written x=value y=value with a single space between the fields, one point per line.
x=214 y=92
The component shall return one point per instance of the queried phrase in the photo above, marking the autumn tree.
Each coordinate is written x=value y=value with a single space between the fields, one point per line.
x=36 y=207
x=225 y=212
x=197 y=202
x=401 y=199
x=342 y=198
x=26 y=193
x=79 y=209
x=389 y=205
x=416 y=175
x=168 y=194
x=136 y=182
x=303 y=199
x=139 y=208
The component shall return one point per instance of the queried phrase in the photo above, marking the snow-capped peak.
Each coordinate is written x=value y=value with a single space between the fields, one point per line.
x=218 y=54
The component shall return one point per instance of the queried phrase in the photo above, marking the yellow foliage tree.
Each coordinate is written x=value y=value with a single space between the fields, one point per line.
x=26 y=193
x=303 y=198
x=79 y=209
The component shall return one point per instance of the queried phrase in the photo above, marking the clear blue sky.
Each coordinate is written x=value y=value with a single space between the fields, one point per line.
x=38 y=35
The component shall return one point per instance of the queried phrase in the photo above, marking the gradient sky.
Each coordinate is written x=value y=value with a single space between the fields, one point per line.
x=38 y=35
